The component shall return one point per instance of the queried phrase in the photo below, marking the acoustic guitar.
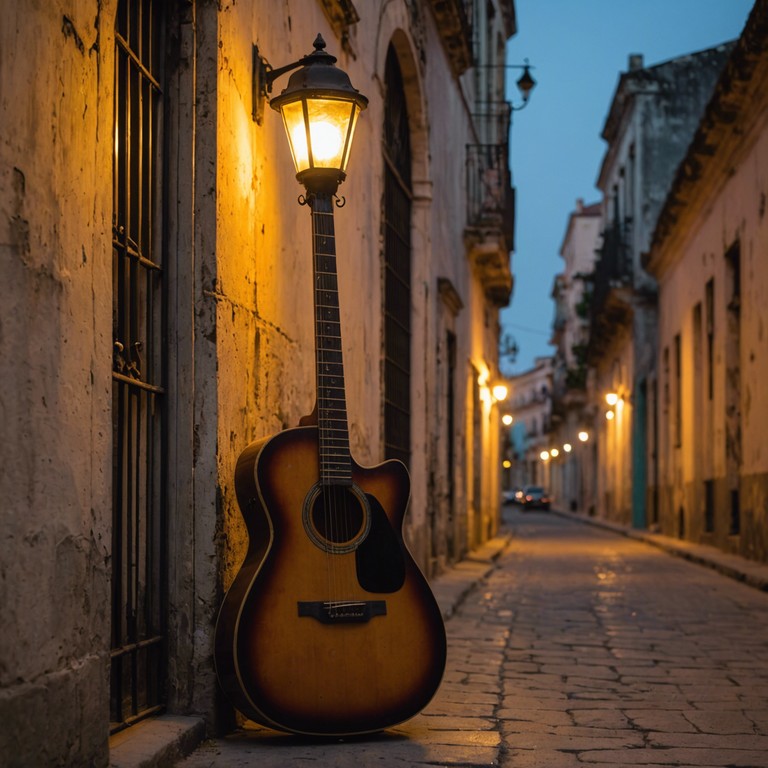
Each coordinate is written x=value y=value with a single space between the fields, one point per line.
x=329 y=627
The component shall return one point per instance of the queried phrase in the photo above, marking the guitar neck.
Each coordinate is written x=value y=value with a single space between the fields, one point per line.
x=334 y=455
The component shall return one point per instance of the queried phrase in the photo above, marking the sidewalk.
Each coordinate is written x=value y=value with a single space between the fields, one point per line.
x=750 y=572
x=162 y=741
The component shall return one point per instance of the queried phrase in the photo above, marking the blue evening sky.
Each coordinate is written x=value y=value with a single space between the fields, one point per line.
x=578 y=48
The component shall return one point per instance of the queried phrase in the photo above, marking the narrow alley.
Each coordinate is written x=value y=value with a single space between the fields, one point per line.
x=581 y=647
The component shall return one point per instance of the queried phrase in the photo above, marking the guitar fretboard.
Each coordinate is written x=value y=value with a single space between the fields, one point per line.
x=335 y=461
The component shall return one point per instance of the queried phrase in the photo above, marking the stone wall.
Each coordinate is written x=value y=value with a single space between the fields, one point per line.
x=55 y=363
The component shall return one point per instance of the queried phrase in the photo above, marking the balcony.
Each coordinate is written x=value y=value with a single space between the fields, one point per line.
x=611 y=304
x=489 y=235
x=454 y=24
x=490 y=218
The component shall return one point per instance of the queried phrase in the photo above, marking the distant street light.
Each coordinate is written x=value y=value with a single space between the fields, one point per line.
x=499 y=392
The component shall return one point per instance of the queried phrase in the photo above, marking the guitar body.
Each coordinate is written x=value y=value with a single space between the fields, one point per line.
x=329 y=627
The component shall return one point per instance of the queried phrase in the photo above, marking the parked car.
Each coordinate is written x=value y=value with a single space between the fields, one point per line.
x=534 y=496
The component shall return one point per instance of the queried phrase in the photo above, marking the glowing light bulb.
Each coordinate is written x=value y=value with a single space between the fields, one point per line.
x=326 y=141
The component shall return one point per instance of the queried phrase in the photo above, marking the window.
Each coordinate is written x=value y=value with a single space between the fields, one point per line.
x=137 y=658
x=397 y=267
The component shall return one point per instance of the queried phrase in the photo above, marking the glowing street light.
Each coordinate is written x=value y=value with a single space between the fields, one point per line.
x=499 y=392
x=319 y=107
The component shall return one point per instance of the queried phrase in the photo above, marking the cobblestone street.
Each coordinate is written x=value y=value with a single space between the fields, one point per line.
x=581 y=648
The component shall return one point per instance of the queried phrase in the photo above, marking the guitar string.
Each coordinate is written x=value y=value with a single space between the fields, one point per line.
x=346 y=500
x=325 y=281
x=324 y=497
x=336 y=496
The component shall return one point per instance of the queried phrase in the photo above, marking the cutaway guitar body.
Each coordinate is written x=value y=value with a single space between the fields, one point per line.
x=329 y=627
x=301 y=645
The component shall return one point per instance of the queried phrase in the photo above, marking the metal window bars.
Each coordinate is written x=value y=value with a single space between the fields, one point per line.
x=138 y=557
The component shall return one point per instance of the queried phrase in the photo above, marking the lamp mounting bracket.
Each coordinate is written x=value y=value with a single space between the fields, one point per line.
x=264 y=75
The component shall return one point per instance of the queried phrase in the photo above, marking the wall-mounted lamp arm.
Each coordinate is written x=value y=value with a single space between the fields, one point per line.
x=263 y=77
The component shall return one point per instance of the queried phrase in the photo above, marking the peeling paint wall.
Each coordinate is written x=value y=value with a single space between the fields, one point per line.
x=723 y=431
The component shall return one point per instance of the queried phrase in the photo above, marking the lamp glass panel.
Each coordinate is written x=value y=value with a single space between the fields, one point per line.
x=329 y=122
x=293 y=118
x=352 y=126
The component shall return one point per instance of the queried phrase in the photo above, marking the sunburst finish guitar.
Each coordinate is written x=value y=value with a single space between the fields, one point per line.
x=329 y=627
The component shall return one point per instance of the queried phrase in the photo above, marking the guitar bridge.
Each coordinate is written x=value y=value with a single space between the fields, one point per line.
x=342 y=611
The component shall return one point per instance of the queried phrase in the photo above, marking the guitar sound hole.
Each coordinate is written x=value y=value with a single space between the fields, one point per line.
x=336 y=517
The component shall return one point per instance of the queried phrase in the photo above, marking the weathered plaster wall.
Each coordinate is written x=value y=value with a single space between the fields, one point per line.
x=55 y=363
x=736 y=211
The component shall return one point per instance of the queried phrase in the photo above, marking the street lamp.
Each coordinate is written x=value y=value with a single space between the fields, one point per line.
x=320 y=108
x=525 y=84
x=499 y=392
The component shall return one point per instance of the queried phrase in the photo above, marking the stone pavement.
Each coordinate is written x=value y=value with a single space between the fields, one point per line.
x=579 y=648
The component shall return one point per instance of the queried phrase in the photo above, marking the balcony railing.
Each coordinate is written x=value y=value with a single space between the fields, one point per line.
x=613 y=266
x=611 y=283
x=490 y=197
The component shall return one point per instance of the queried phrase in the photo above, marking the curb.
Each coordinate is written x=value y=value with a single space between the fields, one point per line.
x=156 y=742
x=453 y=586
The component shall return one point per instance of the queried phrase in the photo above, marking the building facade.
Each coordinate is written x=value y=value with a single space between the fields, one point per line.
x=709 y=257
x=530 y=405
x=651 y=119
x=572 y=469
x=156 y=279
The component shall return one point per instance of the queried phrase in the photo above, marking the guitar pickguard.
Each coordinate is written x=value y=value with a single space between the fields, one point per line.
x=379 y=558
